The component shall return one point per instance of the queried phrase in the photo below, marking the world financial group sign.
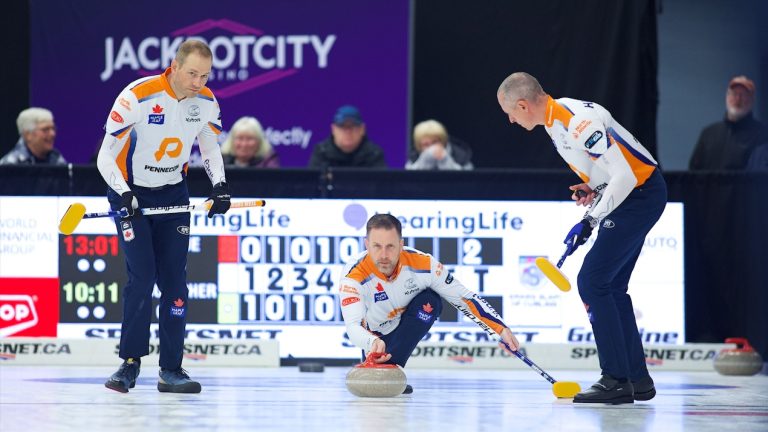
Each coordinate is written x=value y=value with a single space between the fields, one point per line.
x=290 y=66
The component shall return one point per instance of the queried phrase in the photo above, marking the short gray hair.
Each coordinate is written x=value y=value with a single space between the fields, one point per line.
x=252 y=126
x=521 y=85
x=29 y=118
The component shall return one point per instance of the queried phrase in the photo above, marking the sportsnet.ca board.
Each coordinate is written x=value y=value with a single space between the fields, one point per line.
x=273 y=272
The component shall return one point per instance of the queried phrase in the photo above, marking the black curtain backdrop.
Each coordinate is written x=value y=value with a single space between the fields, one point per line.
x=14 y=74
x=599 y=50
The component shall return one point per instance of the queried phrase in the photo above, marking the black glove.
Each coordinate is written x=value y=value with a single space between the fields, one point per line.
x=579 y=234
x=220 y=199
x=129 y=203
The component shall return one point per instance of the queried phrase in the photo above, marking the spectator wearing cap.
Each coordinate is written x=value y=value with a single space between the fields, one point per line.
x=727 y=144
x=37 y=133
x=348 y=145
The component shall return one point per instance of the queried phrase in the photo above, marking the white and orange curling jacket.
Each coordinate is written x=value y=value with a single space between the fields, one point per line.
x=604 y=154
x=149 y=135
x=372 y=302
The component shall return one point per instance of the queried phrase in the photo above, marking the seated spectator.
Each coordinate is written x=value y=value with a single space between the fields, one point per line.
x=348 y=145
x=434 y=149
x=37 y=133
x=246 y=146
x=727 y=144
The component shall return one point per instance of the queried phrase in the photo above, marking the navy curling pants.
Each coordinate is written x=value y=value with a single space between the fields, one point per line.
x=604 y=278
x=157 y=254
x=415 y=322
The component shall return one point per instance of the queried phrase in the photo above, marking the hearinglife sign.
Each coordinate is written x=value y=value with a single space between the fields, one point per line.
x=290 y=65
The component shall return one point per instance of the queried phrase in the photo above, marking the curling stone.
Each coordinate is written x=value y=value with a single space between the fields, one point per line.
x=369 y=379
x=311 y=367
x=742 y=360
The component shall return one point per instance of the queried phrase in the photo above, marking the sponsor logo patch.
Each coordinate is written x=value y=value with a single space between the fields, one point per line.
x=411 y=291
x=183 y=230
x=580 y=128
x=124 y=103
x=156 y=119
x=449 y=279
x=127 y=228
x=193 y=111
x=177 y=309
x=380 y=296
x=424 y=316
x=608 y=223
x=593 y=139
x=350 y=300
x=115 y=116
x=349 y=289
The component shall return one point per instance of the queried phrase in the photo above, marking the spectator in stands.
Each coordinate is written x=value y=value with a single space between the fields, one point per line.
x=348 y=145
x=727 y=144
x=37 y=132
x=434 y=149
x=246 y=146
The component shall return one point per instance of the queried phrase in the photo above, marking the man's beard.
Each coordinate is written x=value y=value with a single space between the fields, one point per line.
x=736 y=114
x=386 y=269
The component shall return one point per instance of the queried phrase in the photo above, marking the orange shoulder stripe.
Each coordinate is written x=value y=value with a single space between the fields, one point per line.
x=414 y=260
x=148 y=88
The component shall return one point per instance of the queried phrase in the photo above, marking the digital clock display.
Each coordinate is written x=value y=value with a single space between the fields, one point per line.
x=90 y=245
x=92 y=277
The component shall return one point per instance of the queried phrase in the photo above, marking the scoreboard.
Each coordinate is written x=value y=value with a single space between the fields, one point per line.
x=273 y=272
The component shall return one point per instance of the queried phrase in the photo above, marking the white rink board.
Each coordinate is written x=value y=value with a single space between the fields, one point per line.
x=688 y=357
x=104 y=352
x=289 y=256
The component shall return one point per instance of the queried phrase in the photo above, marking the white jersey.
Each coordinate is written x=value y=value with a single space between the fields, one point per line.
x=372 y=302
x=150 y=135
x=604 y=154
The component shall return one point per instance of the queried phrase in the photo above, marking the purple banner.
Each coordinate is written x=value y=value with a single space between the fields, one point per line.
x=290 y=64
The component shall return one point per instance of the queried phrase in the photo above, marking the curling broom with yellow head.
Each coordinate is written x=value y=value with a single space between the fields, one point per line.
x=76 y=212
x=561 y=389
x=553 y=272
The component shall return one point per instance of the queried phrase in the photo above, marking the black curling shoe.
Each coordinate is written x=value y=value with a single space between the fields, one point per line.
x=608 y=391
x=644 y=389
x=125 y=377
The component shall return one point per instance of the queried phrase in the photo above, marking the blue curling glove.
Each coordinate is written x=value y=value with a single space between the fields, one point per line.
x=579 y=234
